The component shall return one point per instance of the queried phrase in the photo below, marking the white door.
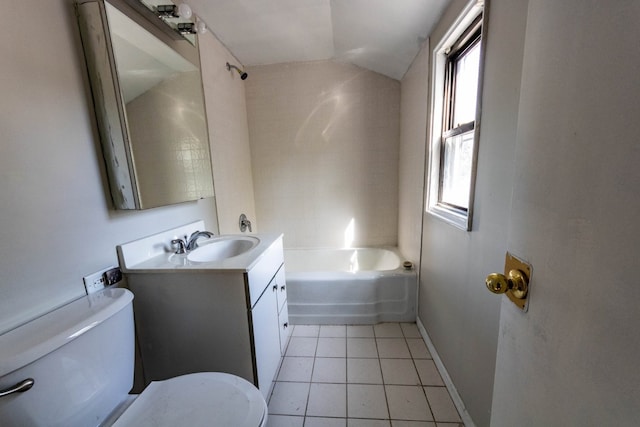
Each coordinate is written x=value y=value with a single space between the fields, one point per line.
x=574 y=357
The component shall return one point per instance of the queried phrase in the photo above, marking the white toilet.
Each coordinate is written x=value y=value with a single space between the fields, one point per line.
x=80 y=358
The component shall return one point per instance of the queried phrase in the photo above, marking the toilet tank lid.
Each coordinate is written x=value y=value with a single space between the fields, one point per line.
x=33 y=340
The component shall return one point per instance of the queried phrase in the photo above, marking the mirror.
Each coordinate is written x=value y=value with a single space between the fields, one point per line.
x=149 y=105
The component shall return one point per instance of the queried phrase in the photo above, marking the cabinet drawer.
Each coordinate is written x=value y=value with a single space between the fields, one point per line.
x=262 y=273
x=285 y=329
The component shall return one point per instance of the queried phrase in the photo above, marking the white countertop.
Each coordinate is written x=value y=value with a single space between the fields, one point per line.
x=169 y=262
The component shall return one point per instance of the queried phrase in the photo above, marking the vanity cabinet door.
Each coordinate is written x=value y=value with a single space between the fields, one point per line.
x=282 y=288
x=266 y=338
x=285 y=330
x=283 y=312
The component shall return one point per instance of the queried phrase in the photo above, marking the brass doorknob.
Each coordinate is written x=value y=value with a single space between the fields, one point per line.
x=517 y=282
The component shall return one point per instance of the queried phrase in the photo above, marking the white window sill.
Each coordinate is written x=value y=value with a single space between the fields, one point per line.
x=451 y=216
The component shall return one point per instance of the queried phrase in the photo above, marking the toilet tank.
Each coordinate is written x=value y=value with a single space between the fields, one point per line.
x=81 y=358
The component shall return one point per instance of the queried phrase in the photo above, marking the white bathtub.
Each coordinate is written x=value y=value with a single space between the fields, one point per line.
x=349 y=286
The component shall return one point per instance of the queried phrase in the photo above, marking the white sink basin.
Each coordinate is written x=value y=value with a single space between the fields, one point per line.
x=226 y=252
x=220 y=248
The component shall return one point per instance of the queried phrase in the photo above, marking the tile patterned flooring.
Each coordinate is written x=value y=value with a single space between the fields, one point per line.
x=359 y=376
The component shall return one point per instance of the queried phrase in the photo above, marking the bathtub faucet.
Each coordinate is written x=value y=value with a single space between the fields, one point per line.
x=244 y=223
x=192 y=243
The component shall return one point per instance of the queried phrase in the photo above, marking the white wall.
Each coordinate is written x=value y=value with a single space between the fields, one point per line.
x=324 y=146
x=56 y=223
x=458 y=312
x=414 y=115
x=572 y=360
x=229 y=135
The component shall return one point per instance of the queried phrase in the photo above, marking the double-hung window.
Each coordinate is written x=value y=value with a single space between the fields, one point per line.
x=456 y=83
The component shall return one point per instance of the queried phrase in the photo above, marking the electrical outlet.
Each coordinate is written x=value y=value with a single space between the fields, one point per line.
x=98 y=280
x=112 y=276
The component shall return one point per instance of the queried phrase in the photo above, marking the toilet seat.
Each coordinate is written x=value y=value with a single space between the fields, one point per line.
x=202 y=399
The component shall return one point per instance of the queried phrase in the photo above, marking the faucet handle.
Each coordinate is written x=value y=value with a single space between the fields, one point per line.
x=244 y=223
x=182 y=246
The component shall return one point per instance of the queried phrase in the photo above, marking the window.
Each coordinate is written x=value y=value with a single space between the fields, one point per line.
x=454 y=131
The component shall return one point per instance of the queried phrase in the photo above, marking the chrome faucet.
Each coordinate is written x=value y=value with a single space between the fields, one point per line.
x=244 y=223
x=192 y=243
x=182 y=246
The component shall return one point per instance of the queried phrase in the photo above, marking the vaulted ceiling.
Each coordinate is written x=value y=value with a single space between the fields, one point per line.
x=381 y=35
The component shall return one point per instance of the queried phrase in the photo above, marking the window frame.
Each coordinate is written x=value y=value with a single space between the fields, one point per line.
x=468 y=30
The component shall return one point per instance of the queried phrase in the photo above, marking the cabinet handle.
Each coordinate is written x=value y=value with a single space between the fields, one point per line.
x=285 y=325
x=282 y=288
x=275 y=288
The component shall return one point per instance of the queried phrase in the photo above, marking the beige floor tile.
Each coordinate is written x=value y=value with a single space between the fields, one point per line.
x=428 y=372
x=360 y=376
x=325 y=422
x=418 y=348
x=407 y=403
x=305 y=331
x=396 y=423
x=284 y=421
x=289 y=398
x=356 y=422
x=441 y=404
x=392 y=348
x=296 y=369
x=399 y=372
x=410 y=330
x=388 y=330
x=360 y=331
x=302 y=346
x=363 y=371
x=332 y=347
x=330 y=370
x=327 y=400
x=366 y=401
x=333 y=331
x=361 y=347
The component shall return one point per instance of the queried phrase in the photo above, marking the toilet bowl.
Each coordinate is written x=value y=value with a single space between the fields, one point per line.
x=80 y=358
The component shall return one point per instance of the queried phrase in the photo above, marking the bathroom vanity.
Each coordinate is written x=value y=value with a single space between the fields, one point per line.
x=226 y=315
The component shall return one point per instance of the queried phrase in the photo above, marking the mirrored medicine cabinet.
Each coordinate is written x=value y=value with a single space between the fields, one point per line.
x=149 y=105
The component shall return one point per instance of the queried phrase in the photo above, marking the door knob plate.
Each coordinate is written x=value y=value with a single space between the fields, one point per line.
x=514 y=282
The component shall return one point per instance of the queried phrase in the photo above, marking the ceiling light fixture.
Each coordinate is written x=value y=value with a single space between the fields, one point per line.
x=166 y=10
x=169 y=12
x=181 y=10
x=201 y=26
x=186 y=28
